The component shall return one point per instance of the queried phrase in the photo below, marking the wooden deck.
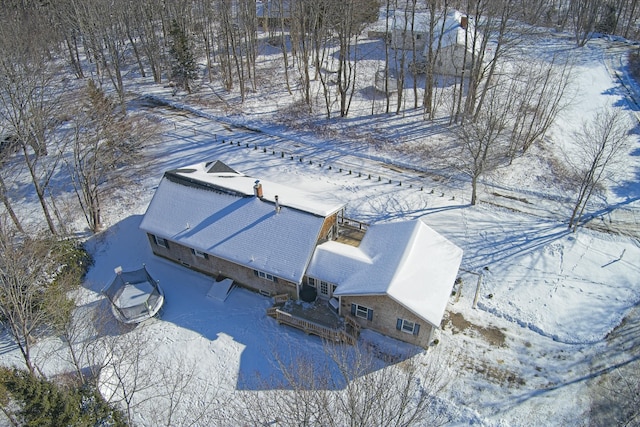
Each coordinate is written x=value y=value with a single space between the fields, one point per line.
x=351 y=232
x=315 y=318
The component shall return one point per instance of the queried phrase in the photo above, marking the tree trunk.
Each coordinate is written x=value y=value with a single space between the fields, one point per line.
x=8 y=207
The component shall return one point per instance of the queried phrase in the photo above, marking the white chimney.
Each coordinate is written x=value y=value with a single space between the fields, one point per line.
x=257 y=189
x=277 y=205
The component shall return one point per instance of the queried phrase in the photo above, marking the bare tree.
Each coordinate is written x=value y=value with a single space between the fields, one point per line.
x=8 y=147
x=584 y=16
x=127 y=377
x=29 y=95
x=601 y=143
x=350 y=386
x=616 y=397
x=309 y=36
x=544 y=92
x=347 y=19
x=104 y=35
x=106 y=150
x=149 y=29
x=484 y=142
x=184 y=398
x=33 y=302
x=434 y=42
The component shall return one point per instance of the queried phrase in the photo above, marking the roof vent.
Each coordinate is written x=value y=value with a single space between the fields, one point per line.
x=257 y=189
x=277 y=205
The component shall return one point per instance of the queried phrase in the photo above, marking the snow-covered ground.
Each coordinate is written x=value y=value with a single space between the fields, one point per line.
x=521 y=354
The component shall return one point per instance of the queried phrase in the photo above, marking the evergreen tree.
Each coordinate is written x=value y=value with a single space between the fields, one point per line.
x=184 y=68
x=33 y=401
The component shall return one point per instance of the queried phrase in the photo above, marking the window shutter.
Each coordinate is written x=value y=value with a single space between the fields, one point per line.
x=166 y=243
x=275 y=279
x=369 y=314
x=206 y=256
x=416 y=329
x=399 y=324
x=353 y=309
x=255 y=272
x=193 y=251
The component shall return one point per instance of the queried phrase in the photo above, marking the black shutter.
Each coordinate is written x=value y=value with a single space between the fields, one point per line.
x=353 y=309
x=255 y=273
x=369 y=314
x=399 y=324
x=416 y=329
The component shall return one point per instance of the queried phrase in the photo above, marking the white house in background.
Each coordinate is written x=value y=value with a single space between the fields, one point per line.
x=404 y=29
x=454 y=40
x=278 y=240
x=454 y=37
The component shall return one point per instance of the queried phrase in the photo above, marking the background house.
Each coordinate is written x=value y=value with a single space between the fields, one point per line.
x=273 y=13
x=456 y=41
x=454 y=37
x=407 y=31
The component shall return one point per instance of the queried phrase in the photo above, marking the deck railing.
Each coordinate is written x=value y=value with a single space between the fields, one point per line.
x=281 y=298
x=349 y=222
x=351 y=321
x=336 y=335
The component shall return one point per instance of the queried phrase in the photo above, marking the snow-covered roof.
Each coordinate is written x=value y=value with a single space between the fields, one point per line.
x=408 y=261
x=399 y=21
x=219 y=175
x=212 y=208
x=454 y=32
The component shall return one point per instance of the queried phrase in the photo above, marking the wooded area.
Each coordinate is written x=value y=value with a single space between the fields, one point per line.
x=65 y=70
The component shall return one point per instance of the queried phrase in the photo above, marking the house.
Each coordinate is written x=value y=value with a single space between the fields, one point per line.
x=278 y=240
x=456 y=42
x=397 y=281
x=407 y=31
x=273 y=13
x=454 y=37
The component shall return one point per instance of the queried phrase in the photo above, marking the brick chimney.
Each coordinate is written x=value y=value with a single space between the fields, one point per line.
x=464 y=21
x=257 y=189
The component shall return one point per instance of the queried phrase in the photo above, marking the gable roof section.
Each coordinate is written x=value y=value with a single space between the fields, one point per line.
x=218 y=167
x=217 y=213
x=407 y=261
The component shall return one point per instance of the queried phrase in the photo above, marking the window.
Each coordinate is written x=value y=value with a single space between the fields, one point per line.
x=311 y=282
x=266 y=276
x=199 y=254
x=161 y=242
x=324 y=288
x=361 y=311
x=407 y=326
